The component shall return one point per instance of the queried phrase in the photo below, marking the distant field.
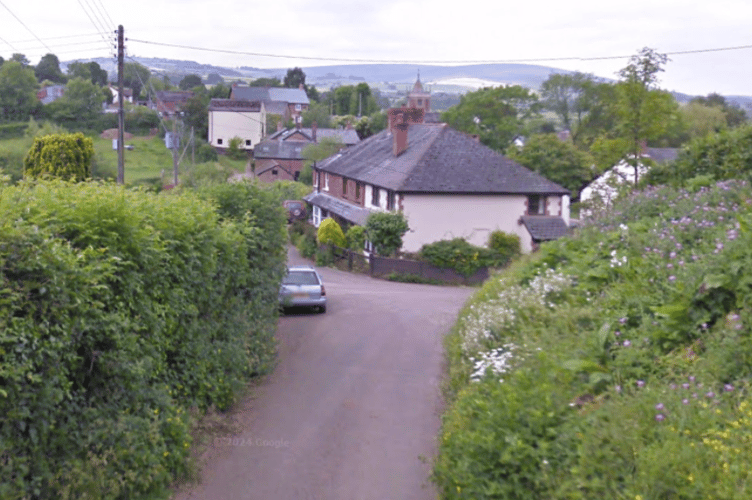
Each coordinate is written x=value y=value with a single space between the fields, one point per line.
x=144 y=164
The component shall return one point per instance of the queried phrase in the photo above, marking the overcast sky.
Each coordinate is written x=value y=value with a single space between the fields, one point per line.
x=557 y=33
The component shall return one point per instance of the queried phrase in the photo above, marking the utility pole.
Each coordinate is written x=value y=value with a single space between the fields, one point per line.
x=175 y=150
x=121 y=110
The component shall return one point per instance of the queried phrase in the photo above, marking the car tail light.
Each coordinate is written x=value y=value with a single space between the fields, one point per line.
x=323 y=291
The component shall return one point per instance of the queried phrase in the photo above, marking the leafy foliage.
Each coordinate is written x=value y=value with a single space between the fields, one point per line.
x=330 y=233
x=190 y=81
x=80 y=105
x=574 y=371
x=385 y=231
x=18 y=87
x=356 y=238
x=65 y=156
x=49 y=69
x=112 y=330
x=556 y=160
x=496 y=114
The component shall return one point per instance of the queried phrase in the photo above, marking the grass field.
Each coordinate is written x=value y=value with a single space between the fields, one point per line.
x=146 y=163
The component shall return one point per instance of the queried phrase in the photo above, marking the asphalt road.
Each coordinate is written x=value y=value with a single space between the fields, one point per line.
x=353 y=404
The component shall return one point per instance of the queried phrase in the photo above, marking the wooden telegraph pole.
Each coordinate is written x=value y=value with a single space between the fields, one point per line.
x=121 y=110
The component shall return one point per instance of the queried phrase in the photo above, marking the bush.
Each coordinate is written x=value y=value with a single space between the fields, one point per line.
x=356 y=238
x=234 y=150
x=112 y=329
x=65 y=156
x=455 y=254
x=504 y=246
x=330 y=233
x=385 y=230
x=12 y=130
x=205 y=152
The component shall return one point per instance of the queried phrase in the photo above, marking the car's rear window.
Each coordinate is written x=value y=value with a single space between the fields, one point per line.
x=301 y=278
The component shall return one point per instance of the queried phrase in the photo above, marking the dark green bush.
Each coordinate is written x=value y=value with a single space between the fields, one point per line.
x=456 y=254
x=205 y=152
x=12 y=130
x=119 y=311
x=505 y=246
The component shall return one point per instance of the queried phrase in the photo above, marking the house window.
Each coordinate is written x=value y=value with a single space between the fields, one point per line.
x=375 y=196
x=274 y=171
x=536 y=205
x=344 y=187
x=390 y=200
x=326 y=181
x=316 y=179
x=247 y=142
x=219 y=141
x=297 y=107
x=316 y=216
x=296 y=176
x=357 y=190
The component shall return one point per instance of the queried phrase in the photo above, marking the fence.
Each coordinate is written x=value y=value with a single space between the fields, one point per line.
x=381 y=267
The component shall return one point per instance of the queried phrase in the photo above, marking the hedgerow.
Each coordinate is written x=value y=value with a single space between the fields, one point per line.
x=119 y=311
x=615 y=363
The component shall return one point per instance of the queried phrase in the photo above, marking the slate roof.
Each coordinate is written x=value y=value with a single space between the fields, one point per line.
x=234 y=105
x=347 y=136
x=270 y=94
x=353 y=213
x=438 y=160
x=292 y=150
x=544 y=228
x=662 y=155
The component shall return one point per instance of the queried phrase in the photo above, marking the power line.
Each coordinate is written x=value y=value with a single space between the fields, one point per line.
x=415 y=61
x=22 y=24
x=98 y=28
x=103 y=11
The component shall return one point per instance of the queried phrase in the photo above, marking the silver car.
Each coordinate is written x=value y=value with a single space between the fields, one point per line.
x=302 y=287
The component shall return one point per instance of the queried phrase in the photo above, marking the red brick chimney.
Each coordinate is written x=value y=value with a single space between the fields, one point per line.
x=314 y=129
x=399 y=135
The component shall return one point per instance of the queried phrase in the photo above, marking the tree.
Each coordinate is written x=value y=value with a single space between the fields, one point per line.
x=312 y=153
x=66 y=156
x=294 y=78
x=266 y=82
x=49 y=69
x=385 y=231
x=343 y=98
x=20 y=58
x=88 y=71
x=700 y=119
x=214 y=78
x=196 y=111
x=557 y=160
x=190 y=81
x=733 y=114
x=497 y=115
x=135 y=76
x=18 y=87
x=566 y=95
x=642 y=108
x=319 y=113
x=220 y=91
x=81 y=104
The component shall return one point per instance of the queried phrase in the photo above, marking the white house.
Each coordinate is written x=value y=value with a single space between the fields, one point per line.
x=229 y=118
x=445 y=182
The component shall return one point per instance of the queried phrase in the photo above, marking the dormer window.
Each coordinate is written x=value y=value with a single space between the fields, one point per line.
x=536 y=205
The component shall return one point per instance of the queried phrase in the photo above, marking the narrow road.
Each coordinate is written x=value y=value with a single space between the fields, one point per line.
x=353 y=404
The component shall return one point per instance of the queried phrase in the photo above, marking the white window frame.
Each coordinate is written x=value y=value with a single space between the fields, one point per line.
x=316 y=216
x=326 y=181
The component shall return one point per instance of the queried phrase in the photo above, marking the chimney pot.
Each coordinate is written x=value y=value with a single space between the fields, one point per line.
x=399 y=137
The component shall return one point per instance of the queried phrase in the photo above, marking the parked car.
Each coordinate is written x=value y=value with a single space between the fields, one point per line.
x=302 y=287
x=296 y=210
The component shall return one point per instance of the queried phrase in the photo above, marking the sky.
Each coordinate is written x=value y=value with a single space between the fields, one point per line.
x=592 y=36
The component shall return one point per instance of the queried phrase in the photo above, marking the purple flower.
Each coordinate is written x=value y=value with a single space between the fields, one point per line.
x=617 y=333
x=640 y=383
x=685 y=385
x=710 y=394
x=622 y=320
x=660 y=417
x=691 y=378
x=659 y=406
x=694 y=395
x=685 y=401
x=673 y=386
x=672 y=255
x=728 y=387
x=618 y=389
x=627 y=343
x=672 y=278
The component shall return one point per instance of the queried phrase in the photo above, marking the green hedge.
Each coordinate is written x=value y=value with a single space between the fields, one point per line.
x=119 y=311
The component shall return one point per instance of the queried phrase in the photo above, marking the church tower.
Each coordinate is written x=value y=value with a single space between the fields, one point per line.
x=419 y=98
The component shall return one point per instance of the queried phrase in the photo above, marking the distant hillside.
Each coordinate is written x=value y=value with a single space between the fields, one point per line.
x=393 y=79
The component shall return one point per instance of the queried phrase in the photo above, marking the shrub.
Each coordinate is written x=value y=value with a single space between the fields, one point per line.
x=455 y=254
x=234 y=150
x=205 y=152
x=330 y=233
x=112 y=330
x=505 y=247
x=385 y=230
x=12 y=130
x=66 y=156
x=356 y=238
